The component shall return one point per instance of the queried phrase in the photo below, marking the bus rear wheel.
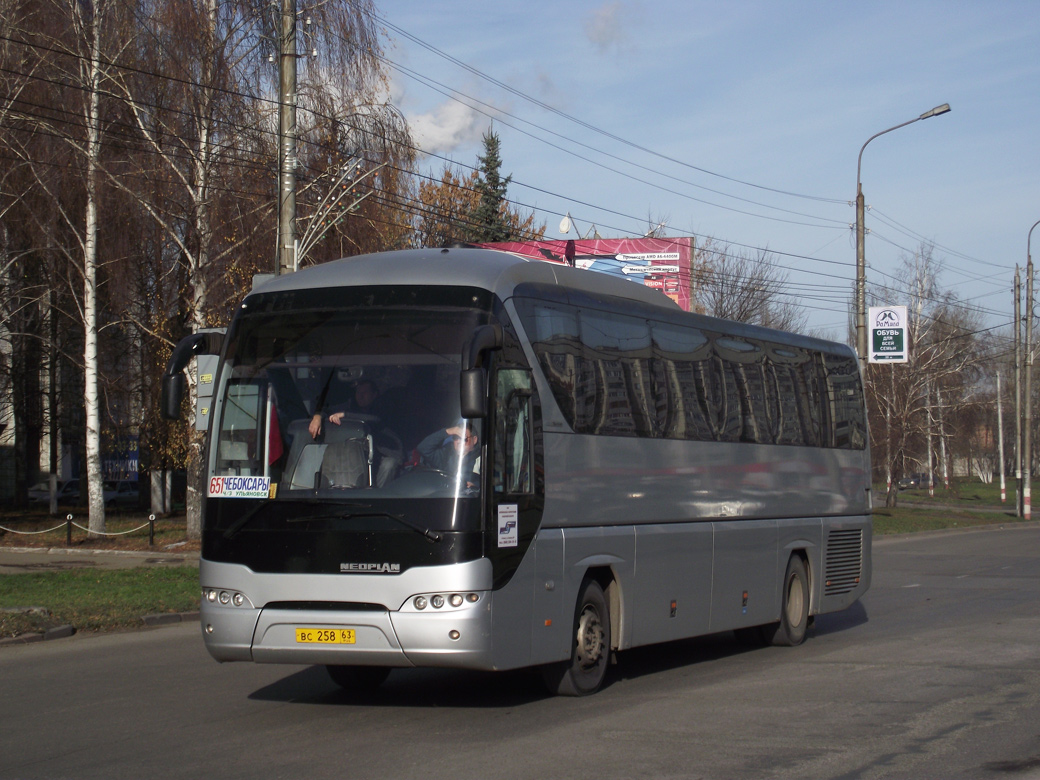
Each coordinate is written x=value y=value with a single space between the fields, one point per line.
x=358 y=679
x=590 y=651
x=794 y=607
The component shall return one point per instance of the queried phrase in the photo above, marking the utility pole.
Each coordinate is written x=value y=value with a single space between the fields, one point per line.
x=286 y=256
x=861 y=261
x=1000 y=439
x=1018 y=392
x=1027 y=476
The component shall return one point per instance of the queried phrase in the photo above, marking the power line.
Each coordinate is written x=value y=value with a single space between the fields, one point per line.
x=587 y=125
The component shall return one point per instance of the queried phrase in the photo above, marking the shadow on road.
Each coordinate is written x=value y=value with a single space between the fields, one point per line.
x=471 y=689
x=413 y=688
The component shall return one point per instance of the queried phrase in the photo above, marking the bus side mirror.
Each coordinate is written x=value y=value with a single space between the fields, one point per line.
x=473 y=400
x=205 y=342
x=172 y=394
x=473 y=397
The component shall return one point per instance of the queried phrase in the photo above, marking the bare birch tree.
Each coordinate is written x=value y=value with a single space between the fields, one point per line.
x=736 y=285
x=75 y=46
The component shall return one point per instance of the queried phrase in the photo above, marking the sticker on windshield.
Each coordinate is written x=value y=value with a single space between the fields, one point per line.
x=240 y=487
x=507 y=532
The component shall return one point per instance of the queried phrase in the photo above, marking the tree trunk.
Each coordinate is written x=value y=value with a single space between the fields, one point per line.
x=96 y=498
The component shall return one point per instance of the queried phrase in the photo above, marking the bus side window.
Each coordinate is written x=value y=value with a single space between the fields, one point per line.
x=239 y=440
x=513 y=451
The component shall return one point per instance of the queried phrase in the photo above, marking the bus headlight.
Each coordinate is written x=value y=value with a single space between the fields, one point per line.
x=443 y=600
x=225 y=598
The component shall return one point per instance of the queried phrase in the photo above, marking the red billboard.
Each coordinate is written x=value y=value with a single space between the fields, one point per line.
x=660 y=263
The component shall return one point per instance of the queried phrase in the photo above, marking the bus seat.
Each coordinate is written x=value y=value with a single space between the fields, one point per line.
x=349 y=451
x=346 y=464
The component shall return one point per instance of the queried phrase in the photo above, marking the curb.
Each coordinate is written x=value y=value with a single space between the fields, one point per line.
x=58 y=632
x=62 y=632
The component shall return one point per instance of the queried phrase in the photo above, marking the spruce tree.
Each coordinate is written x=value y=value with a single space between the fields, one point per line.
x=488 y=221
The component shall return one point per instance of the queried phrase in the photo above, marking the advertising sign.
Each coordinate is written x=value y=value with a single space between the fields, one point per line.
x=888 y=334
x=660 y=263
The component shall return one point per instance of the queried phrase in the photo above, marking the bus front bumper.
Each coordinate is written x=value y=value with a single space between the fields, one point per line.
x=456 y=638
x=366 y=620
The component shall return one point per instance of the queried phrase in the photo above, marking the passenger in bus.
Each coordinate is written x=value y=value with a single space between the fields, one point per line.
x=453 y=450
x=387 y=443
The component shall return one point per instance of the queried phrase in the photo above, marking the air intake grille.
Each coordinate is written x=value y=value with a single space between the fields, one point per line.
x=844 y=561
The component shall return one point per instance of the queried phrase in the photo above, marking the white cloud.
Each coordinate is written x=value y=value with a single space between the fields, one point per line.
x=605 y=27
x=448 y=127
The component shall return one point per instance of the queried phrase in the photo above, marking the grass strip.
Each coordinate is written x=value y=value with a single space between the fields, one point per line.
x=95 y=600
x=905 y=520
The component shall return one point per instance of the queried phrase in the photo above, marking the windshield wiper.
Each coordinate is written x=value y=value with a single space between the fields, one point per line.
x=245 y=519
x=239 y=524
x=363 y=510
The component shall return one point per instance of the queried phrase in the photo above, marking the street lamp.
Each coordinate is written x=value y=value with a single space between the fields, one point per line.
x=861 y=260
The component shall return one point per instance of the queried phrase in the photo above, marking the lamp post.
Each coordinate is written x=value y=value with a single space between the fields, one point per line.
x=861 y=260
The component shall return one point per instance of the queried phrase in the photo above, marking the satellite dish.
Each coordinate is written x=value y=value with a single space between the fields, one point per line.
x=565 y=224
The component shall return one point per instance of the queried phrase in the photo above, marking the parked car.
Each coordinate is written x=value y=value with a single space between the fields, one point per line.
x=68 y=492
x=122 y=494
x=913 y=481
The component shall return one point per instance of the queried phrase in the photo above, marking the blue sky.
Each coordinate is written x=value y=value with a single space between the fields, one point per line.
x=742 y=121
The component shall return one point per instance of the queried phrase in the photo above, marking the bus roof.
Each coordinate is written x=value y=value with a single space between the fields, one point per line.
x=490 y=269
x=502 y=272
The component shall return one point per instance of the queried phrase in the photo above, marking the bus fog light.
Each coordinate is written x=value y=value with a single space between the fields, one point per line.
x=209 y=628
x=209 y=595
x=453 y=634
x=472 y=598
x=455 y=600
x=238 y=600
x=225 y=597
x=420 y=602
x=437 y=601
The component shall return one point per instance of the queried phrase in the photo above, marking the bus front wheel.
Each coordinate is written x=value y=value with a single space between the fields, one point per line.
x=584 y=673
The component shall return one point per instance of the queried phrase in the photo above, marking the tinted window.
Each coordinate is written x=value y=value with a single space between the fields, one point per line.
x=621 y=375
x=617 y=354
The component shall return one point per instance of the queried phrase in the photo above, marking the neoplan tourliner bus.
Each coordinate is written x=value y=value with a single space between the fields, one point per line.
x=557 y=465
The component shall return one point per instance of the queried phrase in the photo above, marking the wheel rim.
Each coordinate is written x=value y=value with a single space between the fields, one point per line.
x=795 y=601
x=590 y=638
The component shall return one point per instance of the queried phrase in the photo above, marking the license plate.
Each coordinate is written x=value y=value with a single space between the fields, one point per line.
x=325 y=636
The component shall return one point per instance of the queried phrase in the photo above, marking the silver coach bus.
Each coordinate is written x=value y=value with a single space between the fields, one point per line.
x=464 y=458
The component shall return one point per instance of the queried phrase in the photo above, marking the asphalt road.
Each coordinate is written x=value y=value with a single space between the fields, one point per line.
x=935 y=674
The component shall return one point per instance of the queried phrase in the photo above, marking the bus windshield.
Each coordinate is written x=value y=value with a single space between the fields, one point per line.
x=347 y=394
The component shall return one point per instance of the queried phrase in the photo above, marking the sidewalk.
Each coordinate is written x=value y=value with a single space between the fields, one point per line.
x=22 y=560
